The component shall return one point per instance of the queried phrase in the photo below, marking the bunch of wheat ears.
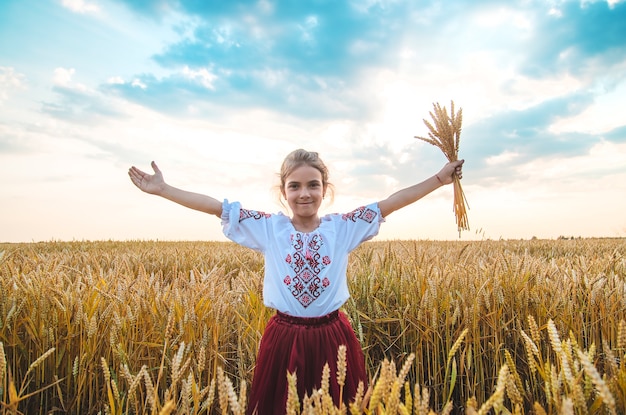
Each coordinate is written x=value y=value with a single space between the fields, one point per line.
x=446 y=134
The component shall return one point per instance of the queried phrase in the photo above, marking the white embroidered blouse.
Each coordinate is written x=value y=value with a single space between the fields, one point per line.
x=305 y=273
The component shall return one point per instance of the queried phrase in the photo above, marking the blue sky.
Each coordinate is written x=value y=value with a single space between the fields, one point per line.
x=219 y=92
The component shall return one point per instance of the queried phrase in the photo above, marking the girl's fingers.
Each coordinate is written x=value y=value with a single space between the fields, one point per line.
x=155 y=167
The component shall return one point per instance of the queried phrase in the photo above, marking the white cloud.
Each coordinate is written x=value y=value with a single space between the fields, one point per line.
x=116 y=80
x=555 y=12
x=271 y=77
x=611 y=3
x=307 y=29
x=62 y=76
x=502 y=17
x=9 y=80
x=581 y=171
x=265 y=6
x=138 y=83
x=81 y=6
x=598 y=118
x=203 y=76
x=501 y=158
x=525 y=92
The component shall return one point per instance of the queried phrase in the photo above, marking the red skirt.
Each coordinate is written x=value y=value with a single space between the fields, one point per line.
x=304 y=346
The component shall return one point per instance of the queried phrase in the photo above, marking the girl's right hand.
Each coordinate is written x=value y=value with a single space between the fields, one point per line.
x=149 y=183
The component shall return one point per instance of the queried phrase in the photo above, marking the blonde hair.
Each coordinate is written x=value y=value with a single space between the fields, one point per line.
x=300 y=157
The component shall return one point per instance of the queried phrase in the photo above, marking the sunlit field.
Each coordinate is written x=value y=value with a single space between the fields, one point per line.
x=145 y=327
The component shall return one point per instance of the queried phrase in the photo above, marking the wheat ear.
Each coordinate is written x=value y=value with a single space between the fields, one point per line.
x=445 y=133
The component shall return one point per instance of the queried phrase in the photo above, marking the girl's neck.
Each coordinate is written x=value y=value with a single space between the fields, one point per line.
x=305 y=225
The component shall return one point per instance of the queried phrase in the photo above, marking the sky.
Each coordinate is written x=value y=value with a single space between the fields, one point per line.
x=219 y=92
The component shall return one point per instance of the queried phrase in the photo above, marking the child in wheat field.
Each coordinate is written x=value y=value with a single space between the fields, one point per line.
x=306 y=258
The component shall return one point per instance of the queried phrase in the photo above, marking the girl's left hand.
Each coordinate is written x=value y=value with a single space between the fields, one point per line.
x=453 y=168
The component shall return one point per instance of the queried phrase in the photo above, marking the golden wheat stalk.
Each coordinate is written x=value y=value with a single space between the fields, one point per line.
x=3 y=362
x=446 y=134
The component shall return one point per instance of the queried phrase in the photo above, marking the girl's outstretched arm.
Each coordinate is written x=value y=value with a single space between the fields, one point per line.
x=411 y=194
x=154 y=184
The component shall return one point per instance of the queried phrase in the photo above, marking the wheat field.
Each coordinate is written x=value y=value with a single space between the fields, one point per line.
x=148 y=327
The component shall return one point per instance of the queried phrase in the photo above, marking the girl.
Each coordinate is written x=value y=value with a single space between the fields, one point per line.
x=306 y=258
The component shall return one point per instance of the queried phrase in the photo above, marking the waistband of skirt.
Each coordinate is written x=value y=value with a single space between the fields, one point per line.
x=307 y=321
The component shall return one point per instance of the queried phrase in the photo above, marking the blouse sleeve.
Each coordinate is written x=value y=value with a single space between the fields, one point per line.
x=249 y=228
x=360 y=225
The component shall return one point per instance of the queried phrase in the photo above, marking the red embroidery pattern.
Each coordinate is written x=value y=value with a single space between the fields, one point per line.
x=307 y=263
x=254 y=214
x=363 y=213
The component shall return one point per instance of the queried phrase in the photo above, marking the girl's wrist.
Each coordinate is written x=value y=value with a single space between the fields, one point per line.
x=439 y=180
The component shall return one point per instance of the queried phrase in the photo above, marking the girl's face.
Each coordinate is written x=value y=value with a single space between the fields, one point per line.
x=304 y=191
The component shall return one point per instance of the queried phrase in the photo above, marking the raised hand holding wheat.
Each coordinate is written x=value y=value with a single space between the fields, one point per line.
x=446 y=134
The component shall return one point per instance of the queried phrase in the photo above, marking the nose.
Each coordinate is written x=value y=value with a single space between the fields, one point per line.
x=304 y=192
